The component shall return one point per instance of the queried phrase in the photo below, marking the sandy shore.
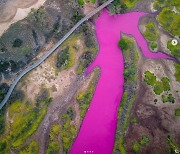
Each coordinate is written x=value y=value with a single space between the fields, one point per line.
x=12 y=12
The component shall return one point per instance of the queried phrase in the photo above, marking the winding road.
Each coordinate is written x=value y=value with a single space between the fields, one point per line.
x=28 y=69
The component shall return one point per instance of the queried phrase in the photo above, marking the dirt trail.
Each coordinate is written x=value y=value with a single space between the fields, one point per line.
x=11 y=12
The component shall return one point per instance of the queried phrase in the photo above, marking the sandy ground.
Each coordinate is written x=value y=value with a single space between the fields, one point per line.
x=88 y=7
x=46 y=75
x=16 y=10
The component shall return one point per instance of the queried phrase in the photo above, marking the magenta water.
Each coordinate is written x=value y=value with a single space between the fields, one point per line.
x=99 y=125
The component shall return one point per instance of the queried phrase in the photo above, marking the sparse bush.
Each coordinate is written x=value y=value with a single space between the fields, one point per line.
x=136 y=147
x=63 y=58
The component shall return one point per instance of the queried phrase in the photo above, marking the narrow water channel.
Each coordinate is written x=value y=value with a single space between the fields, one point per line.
x=97 y=132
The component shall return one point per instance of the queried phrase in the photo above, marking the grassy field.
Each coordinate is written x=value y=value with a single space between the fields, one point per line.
x=24 y=118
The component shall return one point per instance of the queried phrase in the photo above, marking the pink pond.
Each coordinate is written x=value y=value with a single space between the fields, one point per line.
x=99 y=125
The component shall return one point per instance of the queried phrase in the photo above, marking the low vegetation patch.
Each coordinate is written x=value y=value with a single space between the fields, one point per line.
x=151 y=33
x=175 y=49
x=130 y=74
x=159 y=87
x=177 y=112
x=136 y=146
x=54 y=144
x=32 y=148
x=177 y=72
x=68 y=132
x=169 y=21
x=120 y=6
x=172 y=145
x=24 y=119
x=84 y=98
x=153 y=46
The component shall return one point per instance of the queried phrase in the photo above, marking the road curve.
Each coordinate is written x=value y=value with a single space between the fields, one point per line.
x=28 y=69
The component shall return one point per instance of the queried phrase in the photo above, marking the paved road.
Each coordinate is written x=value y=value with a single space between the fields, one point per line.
x=51 y=51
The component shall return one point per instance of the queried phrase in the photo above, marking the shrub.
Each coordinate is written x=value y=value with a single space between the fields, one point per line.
x=177 y=72
x=177 y=112
x=165 y=81
x=153 y=45
x=17 y=43
x=150 y=78
x=144 y=140
x=136 y=147
x=158 y=88
x=63 y=58
x=81 y=2
x=123 y=44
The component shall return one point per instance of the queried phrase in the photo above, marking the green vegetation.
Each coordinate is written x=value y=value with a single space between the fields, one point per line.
x=76 y=16
x=39 y=19
x=175 y=49
x=120 y=6
x=54 y=144
x=177 y=72
x=85 y=60
x=168 y=98
x=63 y=58
x=177 y=112
x=32 y=148
x=172 y=145
x=123 y=44
x=84 y=98
x=153 y=45
x=119 y=145
x=150 y=78
x=131 y=60
x=158 y=86
x=17 y=43
x=136 y=147
x=134 y=120
x=169 y=21
x=144 y=140
x=24 y=119
x=81 y=2
x=151 y=33
x=68 y=132
x=66 y=57
x=71 y=113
